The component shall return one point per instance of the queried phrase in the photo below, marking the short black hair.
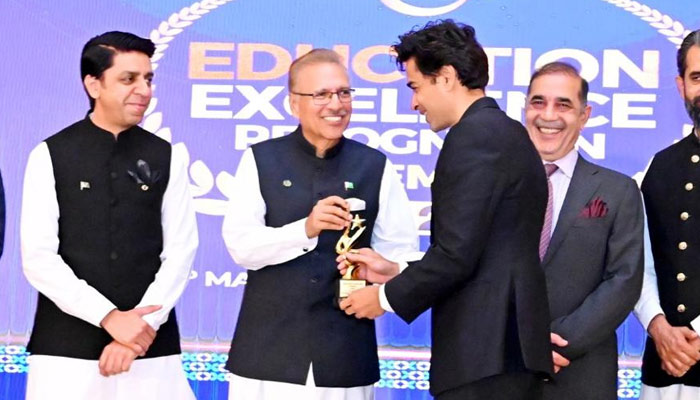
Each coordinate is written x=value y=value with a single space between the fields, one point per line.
x=445 y=42
x=693 y=39
x=560 y=67
x=98 y=53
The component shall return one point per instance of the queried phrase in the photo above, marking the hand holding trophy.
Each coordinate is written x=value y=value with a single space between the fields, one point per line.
x=350 y=282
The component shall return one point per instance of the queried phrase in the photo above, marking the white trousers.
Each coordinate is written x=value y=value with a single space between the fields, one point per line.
x=241 y=388
x=60 y=378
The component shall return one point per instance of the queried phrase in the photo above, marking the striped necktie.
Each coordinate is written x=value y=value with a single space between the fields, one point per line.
x=546 y=234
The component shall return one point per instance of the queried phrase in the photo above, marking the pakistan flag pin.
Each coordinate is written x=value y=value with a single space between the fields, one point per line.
x=349 y=185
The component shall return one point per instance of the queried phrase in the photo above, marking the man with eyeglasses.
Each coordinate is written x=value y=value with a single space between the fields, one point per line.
x=295 y=197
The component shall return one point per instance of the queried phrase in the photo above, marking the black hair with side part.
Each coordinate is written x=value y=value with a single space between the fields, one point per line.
x=98 y=53
x=445 y=42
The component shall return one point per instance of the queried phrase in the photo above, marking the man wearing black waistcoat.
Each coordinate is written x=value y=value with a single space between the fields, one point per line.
x=669 y=307
x=481 y=274
x=108 y=238
x=294 y=199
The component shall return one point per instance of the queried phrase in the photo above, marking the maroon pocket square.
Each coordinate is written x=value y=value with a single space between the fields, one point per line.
x=596 y=208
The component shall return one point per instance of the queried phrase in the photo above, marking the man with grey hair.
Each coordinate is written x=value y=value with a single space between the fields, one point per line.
x=591 y=244
x=669 y=307
x=295 y=197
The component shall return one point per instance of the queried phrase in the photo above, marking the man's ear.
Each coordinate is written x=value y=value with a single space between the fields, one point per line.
x=447 y=75
x=294 y=104
x=92 y=86
x=680 y=85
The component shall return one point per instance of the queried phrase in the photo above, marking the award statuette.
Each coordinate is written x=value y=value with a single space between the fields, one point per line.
x=349 y=282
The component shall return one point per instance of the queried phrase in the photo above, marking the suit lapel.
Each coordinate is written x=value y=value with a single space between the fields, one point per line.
x=584 y=183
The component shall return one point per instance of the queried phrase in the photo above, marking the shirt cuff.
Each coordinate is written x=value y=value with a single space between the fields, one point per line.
x=649 y=312
x=406 y=258
x=383 y=301
x=695 y=324
x=402 y=266
x=99 y=311
x=299 y=229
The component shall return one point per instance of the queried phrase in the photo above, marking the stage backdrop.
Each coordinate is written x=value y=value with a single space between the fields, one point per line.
x=219 y=84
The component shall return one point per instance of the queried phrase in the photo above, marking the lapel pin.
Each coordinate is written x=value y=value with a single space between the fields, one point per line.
x=349 y=185
x=286 y=183
x=84 y=185
x=144 y=187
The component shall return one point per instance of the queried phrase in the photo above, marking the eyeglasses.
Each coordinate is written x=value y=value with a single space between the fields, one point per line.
x=324 y=97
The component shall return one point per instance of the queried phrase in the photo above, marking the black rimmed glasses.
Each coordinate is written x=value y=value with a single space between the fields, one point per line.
x=324 y=96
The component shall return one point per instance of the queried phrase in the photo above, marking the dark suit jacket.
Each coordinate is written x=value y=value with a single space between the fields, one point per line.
x=481 y=273
x=594 y=268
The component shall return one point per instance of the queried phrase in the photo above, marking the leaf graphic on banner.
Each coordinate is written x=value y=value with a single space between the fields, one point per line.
x=152 y=122
x=664 y=24
x=225 y=182
x=202 y=178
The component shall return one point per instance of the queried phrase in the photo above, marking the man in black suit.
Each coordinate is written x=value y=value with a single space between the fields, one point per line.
x=481 y=273
x=594 y=261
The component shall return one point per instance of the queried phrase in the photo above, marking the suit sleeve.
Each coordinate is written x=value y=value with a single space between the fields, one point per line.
x=471 y=182
x=608 y=305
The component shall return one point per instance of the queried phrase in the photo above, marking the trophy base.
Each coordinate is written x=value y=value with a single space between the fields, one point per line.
x=346 y=286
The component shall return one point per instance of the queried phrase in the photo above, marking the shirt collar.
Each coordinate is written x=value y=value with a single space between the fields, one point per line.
x=566 y=164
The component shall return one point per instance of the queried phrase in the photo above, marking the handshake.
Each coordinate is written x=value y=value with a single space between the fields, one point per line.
x=132 y=338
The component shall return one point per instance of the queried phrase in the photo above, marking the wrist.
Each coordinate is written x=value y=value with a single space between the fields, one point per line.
x=108 y=317
x=657 y=325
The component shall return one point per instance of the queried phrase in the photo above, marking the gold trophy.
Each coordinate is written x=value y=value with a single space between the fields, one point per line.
x=349 y=282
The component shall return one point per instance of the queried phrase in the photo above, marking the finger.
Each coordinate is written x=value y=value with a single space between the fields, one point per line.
x=684 y=353
x=150 y=332
x=142 y=342
x=678 y=365
x=102 y=362
x=366 y=251
x=557 y=340
x=141 y=311
x=345 y=303
x=110 y=366
x=333 y=219
x=349 y=310
x=136 y=348
x=689 y=334
x=359 y=258
x=323 y=226
x=335 y=200
x=560 y=360
x=333 y=209
x=557 y=369
x=126 y=364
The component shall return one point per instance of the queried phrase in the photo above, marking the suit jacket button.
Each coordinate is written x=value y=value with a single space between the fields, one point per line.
x=681 y=308
x=682 y=246
x=695 y=158
x=684 y=215
x=113 y=256
x=680 y=277
x=689 y=186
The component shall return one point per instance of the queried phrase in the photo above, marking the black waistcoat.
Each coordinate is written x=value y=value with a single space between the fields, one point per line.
x=671 y=190
x=110 y=233
x=288 y=317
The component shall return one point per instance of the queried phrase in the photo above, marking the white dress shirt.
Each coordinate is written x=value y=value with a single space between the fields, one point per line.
x=648 y=306
x=253 y=245
x=49 y=274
